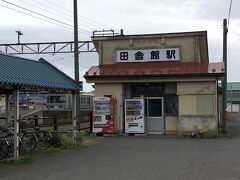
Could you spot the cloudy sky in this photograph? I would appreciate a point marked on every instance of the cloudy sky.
(134, 16)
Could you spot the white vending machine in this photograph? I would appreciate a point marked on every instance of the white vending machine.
(134, 116)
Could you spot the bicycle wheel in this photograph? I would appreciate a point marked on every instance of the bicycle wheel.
(29, 141)
(4, 132)
(4, 149)
(44, 139)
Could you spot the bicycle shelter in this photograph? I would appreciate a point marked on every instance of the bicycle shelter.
(21, 74)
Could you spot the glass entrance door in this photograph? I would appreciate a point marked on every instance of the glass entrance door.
(154, 115)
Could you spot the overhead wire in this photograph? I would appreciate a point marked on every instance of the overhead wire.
(228, 21)
(50, 19)
(36, 17)
(58, 6)
(53, 9)
(39, 14)
(38, 7)
(81, 20)
(217, 44)
(69, 15)
(55, 14)
(81, 17)
(229, 12)
(47, 17)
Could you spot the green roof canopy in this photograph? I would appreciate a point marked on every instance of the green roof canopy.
(26, 73)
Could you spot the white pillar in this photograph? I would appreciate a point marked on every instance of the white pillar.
(74, 118)
(7, 107)
(16, 124)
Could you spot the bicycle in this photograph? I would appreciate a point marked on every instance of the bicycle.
(44, 138)
(27, 140)
(4, 149)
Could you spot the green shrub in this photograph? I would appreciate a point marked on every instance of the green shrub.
(56, 140)
(80, 135)
(66, 141)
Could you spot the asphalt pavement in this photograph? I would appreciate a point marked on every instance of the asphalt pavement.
(139, 158)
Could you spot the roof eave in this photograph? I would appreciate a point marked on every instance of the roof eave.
(153, 75)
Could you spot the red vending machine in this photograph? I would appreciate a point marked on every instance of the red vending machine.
(104, 115)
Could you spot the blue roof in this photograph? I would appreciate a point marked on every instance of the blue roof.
(38, 74)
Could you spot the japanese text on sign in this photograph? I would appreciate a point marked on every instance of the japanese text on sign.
(148, 55)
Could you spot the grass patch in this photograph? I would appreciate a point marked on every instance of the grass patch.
(208, 135)
(62, 143)
(11, 163)
(224, 135)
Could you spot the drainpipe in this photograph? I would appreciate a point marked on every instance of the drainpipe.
(217, 108)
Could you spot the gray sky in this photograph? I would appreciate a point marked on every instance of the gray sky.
(134, 16)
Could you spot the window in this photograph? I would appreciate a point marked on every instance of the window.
(147, 90)
(171, 104)
(155, 107)
(62, 99)
(57, 99)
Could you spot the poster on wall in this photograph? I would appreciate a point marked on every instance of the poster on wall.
(148, 55)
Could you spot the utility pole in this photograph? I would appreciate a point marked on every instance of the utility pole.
(76, 66)
(76, 56)
(19, 33)
(224, 81)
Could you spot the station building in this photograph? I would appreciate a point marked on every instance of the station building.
(171, 71)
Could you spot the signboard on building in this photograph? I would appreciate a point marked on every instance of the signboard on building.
(148, 55)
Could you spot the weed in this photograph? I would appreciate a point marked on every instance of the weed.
(65, 139)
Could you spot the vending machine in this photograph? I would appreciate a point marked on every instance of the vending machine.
(104, 115)
(134, 116)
